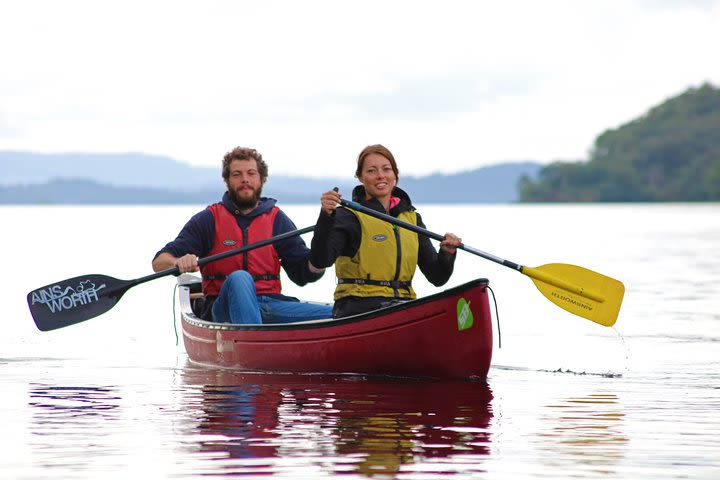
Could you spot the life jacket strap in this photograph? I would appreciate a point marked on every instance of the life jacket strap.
(380, 283)
(257, 278)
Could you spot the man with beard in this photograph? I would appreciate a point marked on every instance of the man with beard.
(244, 288)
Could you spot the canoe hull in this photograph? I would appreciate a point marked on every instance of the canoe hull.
(446, 335)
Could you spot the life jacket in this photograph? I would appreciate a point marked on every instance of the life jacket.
(385, 262)
(262, 263)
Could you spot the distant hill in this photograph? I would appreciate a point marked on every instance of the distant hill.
(670, 154)
(494, 184)
(111, 169)
(79, 191)
(83, 191)
(136, 178)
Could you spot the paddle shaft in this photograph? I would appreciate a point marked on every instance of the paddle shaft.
(427, 233)
(219, 256)
(80, 298)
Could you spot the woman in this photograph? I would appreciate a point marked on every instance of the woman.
(374, 260)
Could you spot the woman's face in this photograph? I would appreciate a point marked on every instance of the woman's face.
(377, 176)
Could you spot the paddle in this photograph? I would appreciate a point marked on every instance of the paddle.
(81, 298)
(578, 290)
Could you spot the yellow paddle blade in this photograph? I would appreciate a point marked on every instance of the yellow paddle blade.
(580, 291)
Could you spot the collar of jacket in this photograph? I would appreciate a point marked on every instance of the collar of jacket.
(359, 196)
(264, 205)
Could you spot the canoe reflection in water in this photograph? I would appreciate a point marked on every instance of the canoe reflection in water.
(375, 424)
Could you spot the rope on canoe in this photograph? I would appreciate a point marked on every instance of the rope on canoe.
(497, 315)
(177, 340)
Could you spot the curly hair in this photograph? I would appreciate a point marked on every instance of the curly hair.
(244, 153)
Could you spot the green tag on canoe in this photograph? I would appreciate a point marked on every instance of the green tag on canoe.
(464, 315)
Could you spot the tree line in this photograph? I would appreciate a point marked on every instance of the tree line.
(670, 154)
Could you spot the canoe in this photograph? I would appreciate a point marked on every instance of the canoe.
(445, 335)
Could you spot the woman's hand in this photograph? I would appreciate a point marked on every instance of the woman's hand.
(329, 201)
(450, 243)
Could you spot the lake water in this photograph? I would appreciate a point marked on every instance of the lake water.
(115, 396)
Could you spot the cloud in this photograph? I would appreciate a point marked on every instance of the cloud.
(484, 82)
(660, 5)
(431, 97)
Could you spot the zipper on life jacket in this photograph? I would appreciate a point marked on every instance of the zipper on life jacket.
(245, 242)
(398, 259)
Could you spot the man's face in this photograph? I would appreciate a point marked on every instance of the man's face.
(244, 183)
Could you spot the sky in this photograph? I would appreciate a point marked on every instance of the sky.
(446, 86)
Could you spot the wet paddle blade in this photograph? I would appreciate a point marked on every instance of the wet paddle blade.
(580, 291)
(74, 300)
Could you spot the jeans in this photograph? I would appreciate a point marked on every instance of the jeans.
(238, 303)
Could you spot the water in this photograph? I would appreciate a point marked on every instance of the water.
(115, 396)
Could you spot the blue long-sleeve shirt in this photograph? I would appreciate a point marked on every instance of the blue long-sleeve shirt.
(198, 234)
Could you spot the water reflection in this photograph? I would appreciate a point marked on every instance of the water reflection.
(71, 423)
(586, 432)
(57, 404)
(343, 424)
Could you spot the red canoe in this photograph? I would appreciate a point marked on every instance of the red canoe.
(447, 335)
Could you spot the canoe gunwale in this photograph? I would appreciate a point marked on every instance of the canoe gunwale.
(189, 317)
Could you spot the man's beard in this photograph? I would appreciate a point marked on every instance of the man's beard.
(243, 203)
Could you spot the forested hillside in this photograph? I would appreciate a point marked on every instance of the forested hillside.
(671, 154)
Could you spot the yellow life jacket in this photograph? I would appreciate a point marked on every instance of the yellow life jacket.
(385, 262)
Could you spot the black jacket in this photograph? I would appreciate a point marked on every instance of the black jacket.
(339, 235)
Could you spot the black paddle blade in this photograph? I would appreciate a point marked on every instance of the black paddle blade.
(74, 300)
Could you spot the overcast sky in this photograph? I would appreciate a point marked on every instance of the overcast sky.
(447, 86)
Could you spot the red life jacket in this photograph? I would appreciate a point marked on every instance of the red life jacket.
(262, 263)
